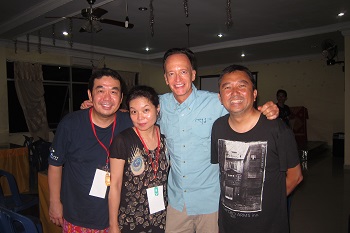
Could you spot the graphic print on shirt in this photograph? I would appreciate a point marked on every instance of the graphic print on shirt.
(137, 165)
(242, 174)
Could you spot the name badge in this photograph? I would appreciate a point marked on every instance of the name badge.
(99, 187)
(155, 199)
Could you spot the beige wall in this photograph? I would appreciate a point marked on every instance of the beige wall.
(309, 83)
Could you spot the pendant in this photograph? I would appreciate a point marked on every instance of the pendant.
(108, 179)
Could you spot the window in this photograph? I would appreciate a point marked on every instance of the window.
(65, 89)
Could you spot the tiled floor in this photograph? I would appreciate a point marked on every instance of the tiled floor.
(321, 204)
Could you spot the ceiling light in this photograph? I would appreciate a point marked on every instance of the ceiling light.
(142, 8)
(220, 35)
(341, 14)
(65, 33)
(242, 55)
(147, 49)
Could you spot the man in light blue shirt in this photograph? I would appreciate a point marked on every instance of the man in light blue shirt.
(186, 119)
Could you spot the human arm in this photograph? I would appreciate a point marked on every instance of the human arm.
(55, 206)
(117, 171)
(86, 104)
(270, 110)
(293, 177)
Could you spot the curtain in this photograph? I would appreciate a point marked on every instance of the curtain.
(129, 78)
(30, 92)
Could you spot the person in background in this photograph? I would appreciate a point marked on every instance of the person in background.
(78, 172)
(187, 116)
(139, 168)
(258, 159)
(284, 111)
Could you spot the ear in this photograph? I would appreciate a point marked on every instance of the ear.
(166, 80)
(219, 96)
(90, 95)
(255, 93)
(194, 75)
(158, 109)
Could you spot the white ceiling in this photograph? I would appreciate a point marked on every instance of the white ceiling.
(270, 29)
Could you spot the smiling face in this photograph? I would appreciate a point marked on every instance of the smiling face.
(143, 113)
(106, 97)
(237, 93)
(179, 76)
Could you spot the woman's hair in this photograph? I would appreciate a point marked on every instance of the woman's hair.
(142, 91)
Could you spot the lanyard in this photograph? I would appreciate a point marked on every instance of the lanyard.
(94, 130)
(154, 163)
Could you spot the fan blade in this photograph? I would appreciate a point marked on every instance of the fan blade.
(63, 17)
(116, 23)
(98, 12)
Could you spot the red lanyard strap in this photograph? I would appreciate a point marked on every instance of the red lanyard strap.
(94, 130)
(154, 163)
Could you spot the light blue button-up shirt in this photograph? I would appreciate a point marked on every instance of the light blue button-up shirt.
(193, 181)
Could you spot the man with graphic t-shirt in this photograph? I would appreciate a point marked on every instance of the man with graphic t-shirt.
(258, 160)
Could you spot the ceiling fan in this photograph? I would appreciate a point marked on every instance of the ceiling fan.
(330, 51)
(93, 18)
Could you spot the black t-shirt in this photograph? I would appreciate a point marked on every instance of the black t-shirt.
(134, 215)
(78, 151)
(253, 169)
(284, 113)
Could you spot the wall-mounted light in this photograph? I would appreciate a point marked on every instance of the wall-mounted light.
(65, 33)
(220, 35)
(341, 14)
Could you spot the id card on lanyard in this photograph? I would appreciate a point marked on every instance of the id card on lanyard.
(102, 178)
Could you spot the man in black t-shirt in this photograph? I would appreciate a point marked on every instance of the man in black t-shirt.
(79, 155)
(258, 160)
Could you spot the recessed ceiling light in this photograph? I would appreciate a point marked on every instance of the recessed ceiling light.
(142, 8)
(341, 14)
(220, 35)
(65, 33)
(242, 55)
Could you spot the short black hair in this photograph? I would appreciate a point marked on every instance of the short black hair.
(99, 73)
(233, 68)
(282, 92)
(142, 91)
(184, 51)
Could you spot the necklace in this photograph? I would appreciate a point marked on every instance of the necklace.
(154, 163)
(94, 130)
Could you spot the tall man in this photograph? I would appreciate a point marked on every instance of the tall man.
(187, 116)
(258, 159)
(79, 155)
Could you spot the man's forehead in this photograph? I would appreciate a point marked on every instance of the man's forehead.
(106, 80)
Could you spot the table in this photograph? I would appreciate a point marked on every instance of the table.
(44, 200)
(16, 162)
